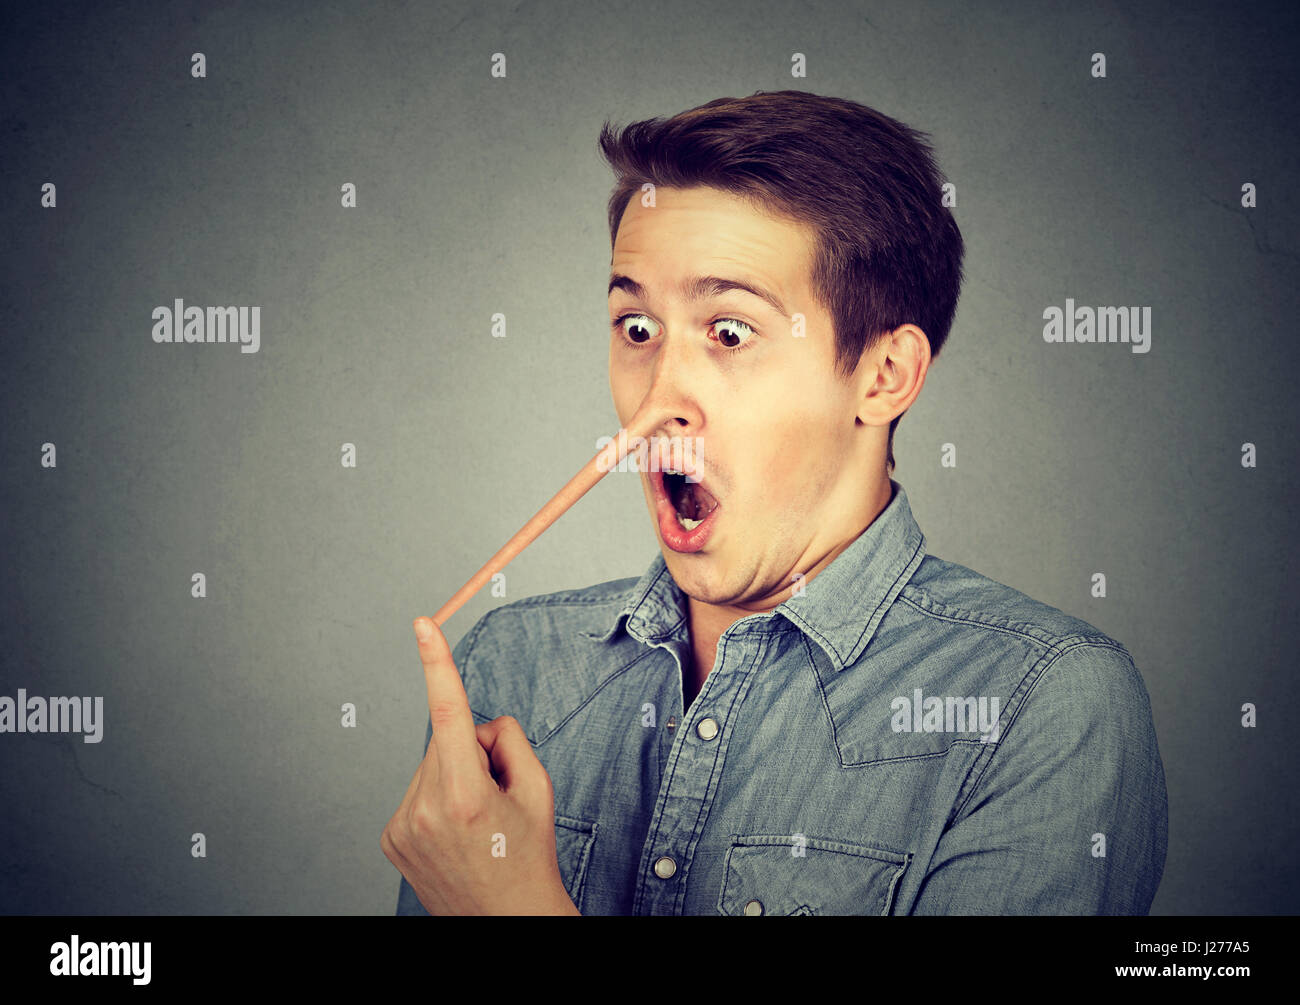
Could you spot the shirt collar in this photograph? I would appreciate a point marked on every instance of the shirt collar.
(839, 608)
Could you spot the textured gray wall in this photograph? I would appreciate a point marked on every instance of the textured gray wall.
(479, 195)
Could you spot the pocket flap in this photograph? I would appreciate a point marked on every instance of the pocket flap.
(783, 874)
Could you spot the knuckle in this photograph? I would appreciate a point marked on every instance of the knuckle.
(425, 819)
(441, 713)
(461, 805)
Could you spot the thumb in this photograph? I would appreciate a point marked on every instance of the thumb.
(514, 764)
(482, 751)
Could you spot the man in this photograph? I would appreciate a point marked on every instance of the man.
(796, 709)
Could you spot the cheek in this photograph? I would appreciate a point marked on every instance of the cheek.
(800, 426)
(623, 389)
(801, 456)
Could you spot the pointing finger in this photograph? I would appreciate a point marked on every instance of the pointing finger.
(454, 738)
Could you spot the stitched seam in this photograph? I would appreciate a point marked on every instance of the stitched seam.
(658, 810)
(1028, 685)
(898, 861)
(893, 885)
(977, 619)
(876, 854)
(810, 630)
(826, 703)
(650, 589)
(895, 589)
(715, 781)
(587, 700)
(910, 757)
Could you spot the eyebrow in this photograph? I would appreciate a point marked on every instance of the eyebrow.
(700, 288)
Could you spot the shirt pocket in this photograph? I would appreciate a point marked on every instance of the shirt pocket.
(573, 841)
(765, 874)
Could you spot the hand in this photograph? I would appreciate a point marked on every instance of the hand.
(475, 833)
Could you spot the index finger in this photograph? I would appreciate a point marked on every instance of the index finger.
(453, 723)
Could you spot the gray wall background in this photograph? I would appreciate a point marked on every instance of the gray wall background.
(480, 195)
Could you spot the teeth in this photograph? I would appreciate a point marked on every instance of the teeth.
(688, 523)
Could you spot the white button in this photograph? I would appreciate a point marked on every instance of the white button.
(754, 908)
(665, 867)
(707, 729)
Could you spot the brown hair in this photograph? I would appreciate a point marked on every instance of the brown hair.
(888, 252)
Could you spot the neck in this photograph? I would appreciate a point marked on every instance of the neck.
(708, 621)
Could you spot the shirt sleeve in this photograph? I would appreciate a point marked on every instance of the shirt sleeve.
(408, 904)
(1069, 814)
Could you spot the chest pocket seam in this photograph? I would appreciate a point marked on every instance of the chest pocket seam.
(761, 868)
(573, 840)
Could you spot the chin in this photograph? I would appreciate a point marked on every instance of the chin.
(697, 579)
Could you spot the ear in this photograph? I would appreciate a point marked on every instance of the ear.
(891, 375)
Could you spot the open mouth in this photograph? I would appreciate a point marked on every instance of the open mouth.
(691, 500)
(685, 509)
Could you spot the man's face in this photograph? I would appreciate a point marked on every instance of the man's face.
(781, 449)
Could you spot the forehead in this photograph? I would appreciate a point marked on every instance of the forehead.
(689, 231)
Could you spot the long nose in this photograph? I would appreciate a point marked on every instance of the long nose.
(670, 396)
(649, 417)
(656, 412)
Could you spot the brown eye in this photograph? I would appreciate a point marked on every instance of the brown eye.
(637, 328)
(733, 333)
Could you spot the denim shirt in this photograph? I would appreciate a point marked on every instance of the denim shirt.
(904, 736)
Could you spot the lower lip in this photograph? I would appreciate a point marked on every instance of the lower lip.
(673, 533)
